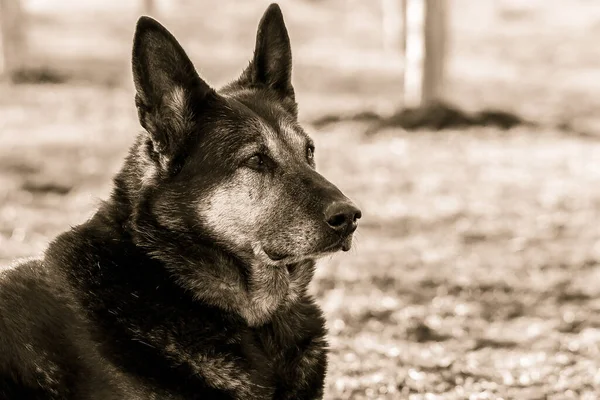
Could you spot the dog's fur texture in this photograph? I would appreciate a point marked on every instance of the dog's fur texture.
(190, 281)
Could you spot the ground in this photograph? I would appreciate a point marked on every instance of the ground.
(475, 272)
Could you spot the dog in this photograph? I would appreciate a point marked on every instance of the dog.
(190, 280)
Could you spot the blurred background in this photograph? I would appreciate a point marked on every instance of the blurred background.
(475, 271)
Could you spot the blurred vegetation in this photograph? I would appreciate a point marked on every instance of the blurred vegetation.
(475, 272)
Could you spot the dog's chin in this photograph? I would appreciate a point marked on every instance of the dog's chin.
(277, 258)
(263, 255)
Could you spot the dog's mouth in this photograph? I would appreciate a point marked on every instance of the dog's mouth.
(343, 244)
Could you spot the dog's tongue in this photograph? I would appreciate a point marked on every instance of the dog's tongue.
(347, 244)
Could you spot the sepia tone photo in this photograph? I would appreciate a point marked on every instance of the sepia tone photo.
(309, 199)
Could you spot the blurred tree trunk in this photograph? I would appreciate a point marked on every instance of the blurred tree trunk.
(12, 37)
(426, 35)
(436, 34)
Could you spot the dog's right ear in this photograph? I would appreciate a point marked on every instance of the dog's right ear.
(168, 88)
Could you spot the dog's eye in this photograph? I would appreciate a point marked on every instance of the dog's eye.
(310, 153)
(257, 161)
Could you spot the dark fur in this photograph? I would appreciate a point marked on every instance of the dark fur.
(152, 298)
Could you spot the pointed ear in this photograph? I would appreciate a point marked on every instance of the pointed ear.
(272, 62)
(167, 87)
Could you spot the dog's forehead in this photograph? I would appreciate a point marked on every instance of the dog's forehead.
(281, 132)
(270, 120)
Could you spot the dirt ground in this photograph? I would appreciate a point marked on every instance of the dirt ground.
(475, 272)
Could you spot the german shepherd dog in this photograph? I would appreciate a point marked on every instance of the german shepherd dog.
(190, 281)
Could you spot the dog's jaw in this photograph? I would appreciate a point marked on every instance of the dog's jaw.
(262, 256)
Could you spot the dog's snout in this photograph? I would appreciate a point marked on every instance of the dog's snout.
(342, 216)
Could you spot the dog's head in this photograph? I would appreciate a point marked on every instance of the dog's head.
(233, 166)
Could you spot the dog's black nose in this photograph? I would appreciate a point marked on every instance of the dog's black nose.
(342, 216)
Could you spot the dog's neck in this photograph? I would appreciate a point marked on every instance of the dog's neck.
(251, 289)
(254, 291)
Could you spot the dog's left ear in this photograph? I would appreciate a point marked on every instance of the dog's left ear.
(271, 66)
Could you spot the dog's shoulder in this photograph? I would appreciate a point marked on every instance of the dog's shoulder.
(31, 301)
(46, 347)
(35, 329)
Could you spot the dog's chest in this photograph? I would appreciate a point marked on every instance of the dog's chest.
(249, 363)
(260, 362)
(293, 344)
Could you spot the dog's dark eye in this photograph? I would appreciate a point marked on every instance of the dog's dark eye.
(310, 153)
(257, 161)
